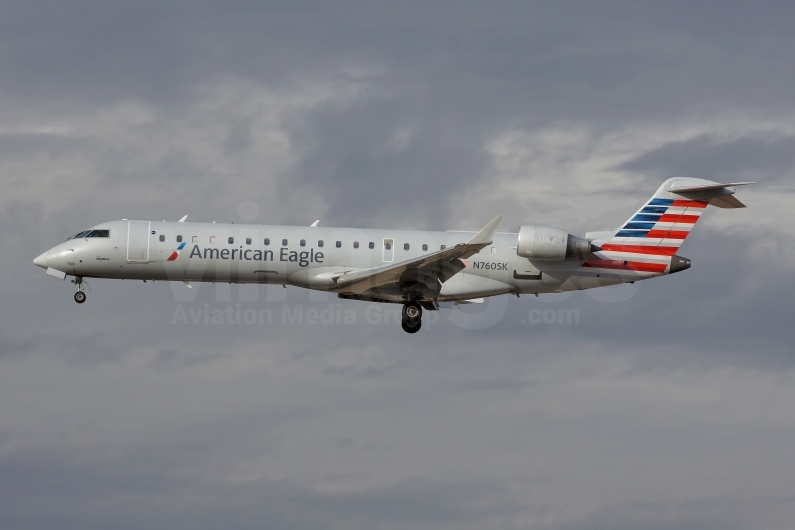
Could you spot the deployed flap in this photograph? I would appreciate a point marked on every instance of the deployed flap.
(441, 264)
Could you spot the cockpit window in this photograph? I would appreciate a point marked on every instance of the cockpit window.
(84, 233)
(91, 233)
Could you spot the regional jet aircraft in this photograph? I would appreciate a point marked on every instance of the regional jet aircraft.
(418, 269)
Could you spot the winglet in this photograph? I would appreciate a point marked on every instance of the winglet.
(315, 223)
(486, 236)
(183, 219)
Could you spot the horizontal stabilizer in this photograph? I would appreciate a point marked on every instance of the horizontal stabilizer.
(726, 201)
(709, 187)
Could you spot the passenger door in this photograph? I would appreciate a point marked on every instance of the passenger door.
(138, 242)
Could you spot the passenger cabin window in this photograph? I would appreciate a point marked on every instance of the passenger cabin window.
(195, 239)
(98, 233)
(355, 244)
(320, 243)
(405, 246)
(212, 239)
(339, 244)
(179, 239)
(284, 242)
(302, 242)
(267, 241)
(231, 240)
(387, 245)
(162, 237)
(248, 241)
(424, 247)
(371, 245)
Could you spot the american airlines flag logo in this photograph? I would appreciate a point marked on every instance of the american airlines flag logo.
(174, 255)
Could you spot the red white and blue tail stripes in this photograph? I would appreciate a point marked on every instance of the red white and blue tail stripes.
(647, 240)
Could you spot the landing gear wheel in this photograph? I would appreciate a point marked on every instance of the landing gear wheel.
(411, 327)
(412, 317)
(80, 297)
(412, 311)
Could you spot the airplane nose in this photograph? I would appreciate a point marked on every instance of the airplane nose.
(41, 261)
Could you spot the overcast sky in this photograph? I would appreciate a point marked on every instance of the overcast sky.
(668, 404)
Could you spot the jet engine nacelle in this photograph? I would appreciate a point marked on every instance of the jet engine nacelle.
(550, 244)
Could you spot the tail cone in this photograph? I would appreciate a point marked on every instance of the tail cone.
(678, 263)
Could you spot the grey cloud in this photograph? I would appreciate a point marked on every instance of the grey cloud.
(497, 384)
(667, 410)
(767, 159)
(724, 512)
(175, 359)
(352, 163)
(98, 492)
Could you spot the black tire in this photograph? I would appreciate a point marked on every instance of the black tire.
(409, 327)
(412, 311)
(80, 297)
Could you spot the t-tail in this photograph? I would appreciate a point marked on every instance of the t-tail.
(648, 241)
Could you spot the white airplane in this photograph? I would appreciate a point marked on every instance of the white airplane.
(418, 269)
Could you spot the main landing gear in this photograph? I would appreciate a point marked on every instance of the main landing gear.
(412, 317)
(80, 295)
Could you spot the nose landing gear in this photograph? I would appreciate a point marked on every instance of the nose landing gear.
(80, 295)
(412, 317)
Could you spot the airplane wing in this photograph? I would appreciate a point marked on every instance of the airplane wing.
(430, 269)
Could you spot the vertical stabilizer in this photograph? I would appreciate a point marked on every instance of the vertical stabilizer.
(660, 226)
(647, 241)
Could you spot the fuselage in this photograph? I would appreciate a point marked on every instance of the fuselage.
(311, 257)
